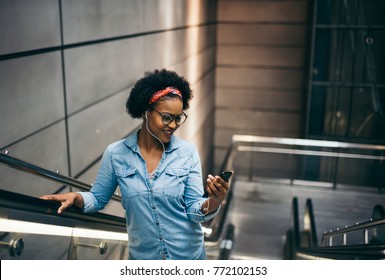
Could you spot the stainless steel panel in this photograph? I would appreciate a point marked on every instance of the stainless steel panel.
(28, 24)
(257, 99)
(263, 11)
(88, 20)
(97, 71)
(282, 56)
(31, 90)
(244, 77)
(253, 33)
(47, 149)
(91, 130)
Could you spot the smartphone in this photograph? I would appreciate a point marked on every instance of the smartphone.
(225, 175)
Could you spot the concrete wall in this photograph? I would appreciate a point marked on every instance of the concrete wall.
(261, 69)
(66, 69)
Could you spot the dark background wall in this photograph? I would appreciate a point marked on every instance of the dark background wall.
(66, 69)
(261, 69)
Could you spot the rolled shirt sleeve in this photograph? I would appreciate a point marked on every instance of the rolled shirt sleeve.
(194, 190)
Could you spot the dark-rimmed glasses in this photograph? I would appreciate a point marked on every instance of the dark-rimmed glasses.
(169, 118)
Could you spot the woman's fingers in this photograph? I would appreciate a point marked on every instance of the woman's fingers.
(65, 200)
(64, 205)
(217, 187)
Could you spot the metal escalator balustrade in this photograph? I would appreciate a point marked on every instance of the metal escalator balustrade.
(213, 229)
(306, 163)
(361, 241)
(31, 229)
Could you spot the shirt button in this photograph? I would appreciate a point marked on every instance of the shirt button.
(151, 191)
(161, 238)
(154, 207)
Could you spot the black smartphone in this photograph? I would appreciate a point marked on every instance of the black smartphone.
(225, 175)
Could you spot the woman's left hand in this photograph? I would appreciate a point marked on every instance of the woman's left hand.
(217, 188)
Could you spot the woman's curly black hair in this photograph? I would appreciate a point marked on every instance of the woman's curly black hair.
(144, 88)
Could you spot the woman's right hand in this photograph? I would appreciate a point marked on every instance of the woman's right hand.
(66, 200)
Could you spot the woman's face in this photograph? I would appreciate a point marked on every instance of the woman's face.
(168, 106)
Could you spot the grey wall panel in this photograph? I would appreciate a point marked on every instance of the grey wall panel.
(200, 11)
(254, 34)
(166, 14)
(257, 120)
(46, 149)
(94, 72)
(261, 61)
(205, 136)
(164, 49)
(199, 38)
(31, 91)
(254, 99)
(199, 127)
(91, 130)
(99, 74)
(261, 56)
(260, 78)
(263, 10)
(28, 24)
(89, 20)
(201, 108)
(168, 49)
(163, 14)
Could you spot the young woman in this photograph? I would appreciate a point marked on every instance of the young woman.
(159, 176)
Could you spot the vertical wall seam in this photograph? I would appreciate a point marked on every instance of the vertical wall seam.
(64, 89)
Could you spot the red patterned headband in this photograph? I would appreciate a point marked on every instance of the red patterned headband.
(159, 94)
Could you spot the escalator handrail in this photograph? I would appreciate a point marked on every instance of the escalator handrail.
(309, 220)
(45, 173)
(218, 222)
(296, 227)
(354, 251)
(378, 212)
(28, 204)
(215, 224)
(345, 252)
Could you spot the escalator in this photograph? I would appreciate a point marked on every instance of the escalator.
(30, 228)
(361, 241)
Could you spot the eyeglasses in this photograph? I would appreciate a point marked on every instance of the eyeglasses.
(169, 118)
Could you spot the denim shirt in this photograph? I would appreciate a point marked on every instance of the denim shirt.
(163, 214)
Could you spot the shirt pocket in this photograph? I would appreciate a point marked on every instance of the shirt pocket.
(128, 182)
(175, 181)
(125, 172)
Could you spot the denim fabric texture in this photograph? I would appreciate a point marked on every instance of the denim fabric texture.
(163, 213)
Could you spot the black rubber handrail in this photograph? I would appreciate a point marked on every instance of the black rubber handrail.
(378, 212)
(295, 225)
(47, 212)
(347, 252)
(310, 250)
(217, 224)
(45, 173)
(309, 223)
